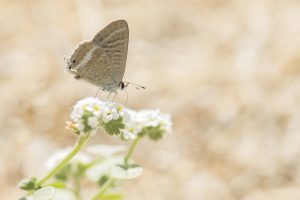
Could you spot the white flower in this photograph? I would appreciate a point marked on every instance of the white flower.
(107, 117)
(126, 115)
(93, 121)
(148, 117)
(154, 118)
(165, 122)
(127, 135)
(56, 157)
(115, 114)
(111, 112)
(131, 130)
(80, 127)
(90, 104)
(85, 115)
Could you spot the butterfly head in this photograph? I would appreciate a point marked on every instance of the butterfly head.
(71, 64)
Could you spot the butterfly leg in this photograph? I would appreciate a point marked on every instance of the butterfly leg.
(96, 95)
(109, 95)
(116, 94)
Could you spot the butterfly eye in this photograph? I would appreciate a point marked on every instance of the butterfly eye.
(73, 61)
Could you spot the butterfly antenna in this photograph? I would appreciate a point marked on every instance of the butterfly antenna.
(137, 86)
(108, 96)
(116, 95)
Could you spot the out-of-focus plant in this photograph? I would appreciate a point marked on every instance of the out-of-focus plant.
(102, 165)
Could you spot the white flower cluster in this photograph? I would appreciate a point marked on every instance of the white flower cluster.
(146, 118)
(90, 113)
(155, 118)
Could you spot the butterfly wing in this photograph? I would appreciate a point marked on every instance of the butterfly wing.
(113, 39)
(97, 68)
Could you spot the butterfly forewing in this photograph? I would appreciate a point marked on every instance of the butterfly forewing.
(113, 39)
(98, 69)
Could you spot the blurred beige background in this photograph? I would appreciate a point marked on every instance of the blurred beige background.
(227, 71)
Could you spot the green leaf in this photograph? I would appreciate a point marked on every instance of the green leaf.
(28, 184)
(127, 166)
(154, 133)
(121, 172)
(114, 126)
(63, 173)
(79, 169)
(103, 180)
(23, 198)
(112, 197)
(58, 184)
(85, 118)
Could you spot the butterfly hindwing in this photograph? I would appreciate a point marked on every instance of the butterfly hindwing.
(113, 39)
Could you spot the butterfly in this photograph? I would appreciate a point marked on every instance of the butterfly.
(102, 60)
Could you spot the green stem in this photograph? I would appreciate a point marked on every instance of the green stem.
(103, 189)
(77, 187)
(79, 144)
(130, 151)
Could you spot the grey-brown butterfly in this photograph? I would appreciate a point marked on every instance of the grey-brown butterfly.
(101, 61)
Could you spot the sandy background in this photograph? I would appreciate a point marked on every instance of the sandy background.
(227, 71)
